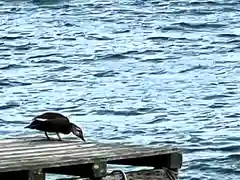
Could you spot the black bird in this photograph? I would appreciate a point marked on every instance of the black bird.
(55, 122)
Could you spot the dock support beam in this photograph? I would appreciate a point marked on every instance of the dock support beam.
(99, 170)
(95, 171)
(33, 174)
(36, 174)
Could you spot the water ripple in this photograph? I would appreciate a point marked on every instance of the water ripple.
(200, 25)
(12, 66)
(193, 68)
(9, 105)
(106, 74)
(147, 72)
(13, 83)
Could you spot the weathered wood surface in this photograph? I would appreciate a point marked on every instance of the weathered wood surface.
(32, 153)
(157, 174)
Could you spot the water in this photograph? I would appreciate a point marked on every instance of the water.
(146, 72)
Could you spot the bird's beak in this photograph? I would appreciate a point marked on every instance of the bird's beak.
(78, 132)
(83, 138)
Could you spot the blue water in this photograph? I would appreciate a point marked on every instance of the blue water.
(147, 72)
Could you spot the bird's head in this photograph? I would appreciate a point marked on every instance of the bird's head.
(77, 131)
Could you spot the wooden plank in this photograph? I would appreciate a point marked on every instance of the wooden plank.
(22, 154)
(172, 160)
(63, 160)
(42, 153)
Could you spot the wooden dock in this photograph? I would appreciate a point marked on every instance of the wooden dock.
(31, 158)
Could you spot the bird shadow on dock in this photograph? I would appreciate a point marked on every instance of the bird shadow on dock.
(43, 140)
(53, 140)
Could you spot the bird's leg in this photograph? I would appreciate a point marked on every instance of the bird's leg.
(59, 137)
(47, 135)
